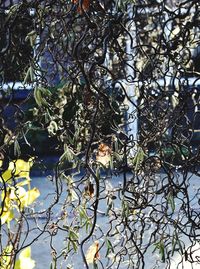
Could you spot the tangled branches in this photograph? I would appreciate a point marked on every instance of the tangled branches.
(112, 88)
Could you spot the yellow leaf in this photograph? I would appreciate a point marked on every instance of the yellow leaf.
(25, 260)
(18, 198)
(7, 175)
(29, 197)
(18, 169)
(17, 193)
(93, 253)
(5, 257)
(7, 216)
(5, 196)
(26, 253)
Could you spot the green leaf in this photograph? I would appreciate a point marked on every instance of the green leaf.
(73, 240)
(138, 159)
(37, 96)
(95, 266)
(174, 242)
(161, 247)
(27, 76)
(68, 154)
(171, 202)
(162, 251)
(31, 36)
(17, 150)
(109, 247)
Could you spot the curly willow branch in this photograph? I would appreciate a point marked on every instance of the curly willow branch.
(111, 90)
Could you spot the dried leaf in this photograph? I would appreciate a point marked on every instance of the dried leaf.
(93, 253)
(89, 190)
(104, 154)
(85, 5)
